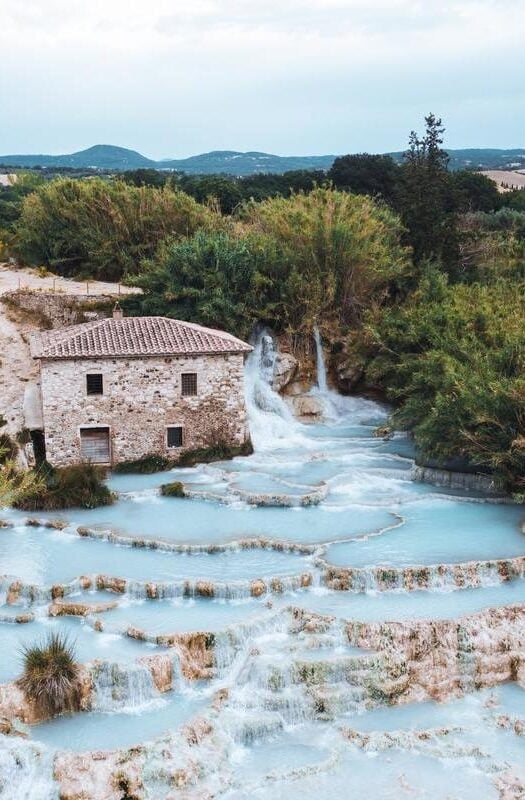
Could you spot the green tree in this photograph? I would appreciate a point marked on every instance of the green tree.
(214, 278)
(475, 192)
(425, 199)
(375, 175)
(207, 188)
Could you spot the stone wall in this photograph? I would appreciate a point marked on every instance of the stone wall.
(58, 310)
(141, 398)
(470, 481)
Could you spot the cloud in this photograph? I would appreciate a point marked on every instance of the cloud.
(170, 77)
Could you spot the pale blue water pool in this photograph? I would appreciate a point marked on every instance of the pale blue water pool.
(269, 744)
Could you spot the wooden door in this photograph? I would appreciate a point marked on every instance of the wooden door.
(95, 446)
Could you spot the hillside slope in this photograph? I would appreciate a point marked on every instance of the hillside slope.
(233, 162)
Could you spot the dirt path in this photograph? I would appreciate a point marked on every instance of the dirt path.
(17, 368)
(12, 279)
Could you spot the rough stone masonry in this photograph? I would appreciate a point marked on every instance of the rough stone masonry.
(137, 394)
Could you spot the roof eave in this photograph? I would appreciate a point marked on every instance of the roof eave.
(111, 356)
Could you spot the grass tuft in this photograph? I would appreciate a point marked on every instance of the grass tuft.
(51, 676)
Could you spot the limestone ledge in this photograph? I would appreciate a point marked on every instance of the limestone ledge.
(252, 543)
(462, 575)
(415, 660)
(453, 479)
(276, 500)
(439, 659)
(17, 590)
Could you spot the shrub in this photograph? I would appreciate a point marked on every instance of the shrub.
(173, 489)
(143, 466)
(51, 676)
(80, 485)
(452, 358)
(219, 452)
(99, 228)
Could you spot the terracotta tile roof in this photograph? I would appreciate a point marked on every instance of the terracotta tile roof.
(132, 337)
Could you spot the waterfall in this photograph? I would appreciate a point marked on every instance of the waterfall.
(119, 687)
(26, 770)
(272, 424)
(321, 367)
(354, 409)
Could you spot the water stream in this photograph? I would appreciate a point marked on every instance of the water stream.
(223, 585)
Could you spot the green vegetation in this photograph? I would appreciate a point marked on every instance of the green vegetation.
(286, 263)
(452, 358)
(50, 679)
(101, 229)
(173, 489)
(413, 272)
(143, 466)
(220, 452)
(79, 486)
(14, 483)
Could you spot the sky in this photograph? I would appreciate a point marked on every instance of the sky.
(172, 78)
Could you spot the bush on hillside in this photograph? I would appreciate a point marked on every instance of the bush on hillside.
(452, 358)
(102, 229)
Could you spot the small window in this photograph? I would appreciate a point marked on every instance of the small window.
(94, 384)
(174, 435)
(189, 384)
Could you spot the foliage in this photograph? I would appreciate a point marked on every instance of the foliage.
(492, 245)
(324, 255)
(11, 199)
(205, 188)
(80, 485)
(363, 173)
(173, 489)
(14, 483)
(214, 278)
(474, 192)
(338, 253)
(51, 676)
(102, 229)
(219, 452)
(425, 198)
(453, 360)
(515, 199)
(143, 466)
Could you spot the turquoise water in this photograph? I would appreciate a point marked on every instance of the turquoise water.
(37, 555)
(440, 531)
(370, 513)
(88, 644)
(99, 731)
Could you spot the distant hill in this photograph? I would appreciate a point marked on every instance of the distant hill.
(232, 162)
(235, 163)
(100, 156)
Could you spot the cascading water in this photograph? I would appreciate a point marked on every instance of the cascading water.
(283, 677)
(26, 771)
(272, 424)
(322, 383)
(123, 688)
(334, 405)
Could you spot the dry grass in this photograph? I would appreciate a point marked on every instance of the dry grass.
(51, 676)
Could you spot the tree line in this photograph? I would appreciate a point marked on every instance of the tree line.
(414, 273)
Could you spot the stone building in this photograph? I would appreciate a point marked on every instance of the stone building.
(123, 388)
